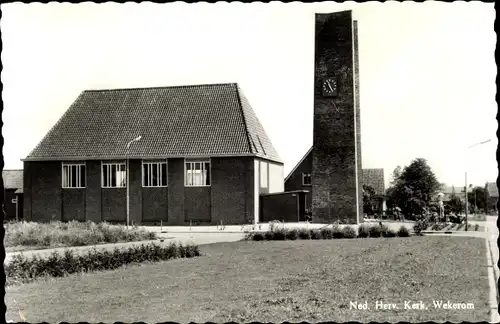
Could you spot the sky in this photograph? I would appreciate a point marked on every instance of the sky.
(427, 71)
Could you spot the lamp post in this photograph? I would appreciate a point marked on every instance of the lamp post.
(466, 198)
(128, 182)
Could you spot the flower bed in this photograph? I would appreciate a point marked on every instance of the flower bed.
(57, 234)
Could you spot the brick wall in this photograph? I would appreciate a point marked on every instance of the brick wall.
(230, 197)
(44, 192)
(294, 181)
(334, 144)
(287, 207)
(232, 190)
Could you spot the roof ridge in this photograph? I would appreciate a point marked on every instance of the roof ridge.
(165, 87)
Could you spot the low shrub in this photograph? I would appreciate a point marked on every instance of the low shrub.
(349, 232)
(279, 234)
(269, 235)
(337, 232)
(304, 234)
(363, 230)
(403, 232)
(375, 231)
(292, 234)
(476, 227)
(258, 236)
(316, 234)
(22, 269)
(387, 232)
(420, 225)
(459, 227)
(435, 227)
(326, 233)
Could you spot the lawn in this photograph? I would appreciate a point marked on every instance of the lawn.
(21, 236)
(274, 281)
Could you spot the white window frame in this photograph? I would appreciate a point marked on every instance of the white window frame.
(304, 175)
(108, 164)
(192, 162)
(79, 166)
(157, 164)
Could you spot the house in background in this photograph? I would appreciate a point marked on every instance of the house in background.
(300, 179)
(200, 155)
(492, 196)
(375, 178)
(13, 197)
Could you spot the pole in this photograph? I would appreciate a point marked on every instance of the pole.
(128, 192)
(466, 203)
(17, 207)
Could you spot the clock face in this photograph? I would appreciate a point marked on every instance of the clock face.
(329, 87)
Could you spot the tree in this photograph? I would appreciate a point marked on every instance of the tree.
(477, 198)
(413, 188)
(368, 194)
(454, 205)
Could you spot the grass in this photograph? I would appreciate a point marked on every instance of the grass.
(273, 281)
(21, 236)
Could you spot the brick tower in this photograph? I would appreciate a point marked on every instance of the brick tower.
(336, 174)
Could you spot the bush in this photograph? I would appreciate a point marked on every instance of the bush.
(304, 234)
(269, 235)
(375, 231)
(326, 233)
(258, 236)
(315, 234)
(22, 269)
(387, 232)
(403, 232)
(476, 227)
(72, 233)
(420, 225)
(279, 234)
(364, 230)
(349, 232)
(292, 234)
(337, 232)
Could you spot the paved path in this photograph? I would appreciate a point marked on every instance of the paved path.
(184, 238)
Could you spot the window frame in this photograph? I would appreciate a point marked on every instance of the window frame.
(304, 175)
(192, 161)
(78, 165)
(110, 163)
(154, 162)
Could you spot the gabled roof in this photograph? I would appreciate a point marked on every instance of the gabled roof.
(492, 189)
(181, 121)
(375, 179)
(297, 165)
(12, 179)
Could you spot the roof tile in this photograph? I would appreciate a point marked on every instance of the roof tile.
(173, 121)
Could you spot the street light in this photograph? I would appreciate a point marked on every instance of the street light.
(466, 198)
(128, 181)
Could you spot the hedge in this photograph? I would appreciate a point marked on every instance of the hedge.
(22, 269)
(327, 233)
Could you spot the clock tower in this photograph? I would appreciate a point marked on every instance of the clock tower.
(336, 174)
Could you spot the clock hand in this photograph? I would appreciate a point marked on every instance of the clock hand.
(329, 85)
